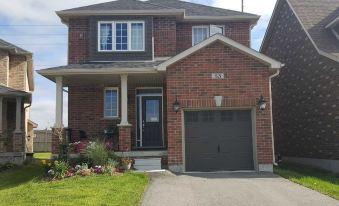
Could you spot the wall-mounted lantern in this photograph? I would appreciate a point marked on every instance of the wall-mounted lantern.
(176, 105)
(218, 100)
(261, 103)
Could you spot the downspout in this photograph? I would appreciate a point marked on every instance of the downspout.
(270, 90)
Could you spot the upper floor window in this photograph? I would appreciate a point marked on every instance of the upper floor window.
(121, 36)
(200, 33)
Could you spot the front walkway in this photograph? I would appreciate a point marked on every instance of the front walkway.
(235, 189)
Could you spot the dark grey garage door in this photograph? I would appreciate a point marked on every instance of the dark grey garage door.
(218, 140)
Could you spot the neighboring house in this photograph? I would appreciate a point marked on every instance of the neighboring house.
(16, 85)
(304, 35)
(177, 78)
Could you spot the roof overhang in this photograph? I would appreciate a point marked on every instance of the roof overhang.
(65, 15)
(273, 64)
(252, 19)
(178, 13)
(52, 73)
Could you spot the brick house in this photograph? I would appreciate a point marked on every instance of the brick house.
(308, 86)
(178, 79)
(16, 86)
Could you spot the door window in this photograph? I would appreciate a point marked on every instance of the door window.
(152, 110)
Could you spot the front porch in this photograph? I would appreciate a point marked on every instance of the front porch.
(127, 111)
(12, 125)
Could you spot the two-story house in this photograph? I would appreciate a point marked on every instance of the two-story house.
(305, 36)
(16, 85)
(179, 80)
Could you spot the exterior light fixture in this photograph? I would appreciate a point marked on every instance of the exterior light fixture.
(218, 100)
(176, 105)
(261, 103)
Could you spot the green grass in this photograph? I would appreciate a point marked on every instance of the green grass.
(43, 155)
(24, 186)
(319, 180)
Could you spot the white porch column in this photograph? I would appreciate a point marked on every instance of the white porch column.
(1, 114)
(58, 103)
(124, 101)
(18, 114)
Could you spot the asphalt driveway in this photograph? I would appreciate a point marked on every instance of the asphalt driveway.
(231, 189)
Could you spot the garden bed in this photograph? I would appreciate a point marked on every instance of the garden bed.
(26, 186)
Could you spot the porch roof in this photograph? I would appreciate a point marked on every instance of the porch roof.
(131, 67)
(9, 92)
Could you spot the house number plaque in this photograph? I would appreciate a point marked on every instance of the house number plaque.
(218, 76)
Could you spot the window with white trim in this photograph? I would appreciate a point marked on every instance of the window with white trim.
(200, 33)
(121, 36)
(111, 102)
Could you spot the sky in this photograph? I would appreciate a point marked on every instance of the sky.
(34, 26)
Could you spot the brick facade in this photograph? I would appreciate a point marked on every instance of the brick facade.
(170, 37)
(78, 41)
(305, 94)
(190, 81)
(164, 32)
(17, 72)
(239, 32)
(125, 143)
(4, 66)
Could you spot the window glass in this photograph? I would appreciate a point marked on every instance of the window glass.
(215, 29)
(111, 103)
(199, 34)
(105, 36)
(152, 111)
(121, 36)
(137, 36)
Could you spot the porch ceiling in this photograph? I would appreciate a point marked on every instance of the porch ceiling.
(134, 80)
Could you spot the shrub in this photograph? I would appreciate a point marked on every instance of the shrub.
(83, 170)
(111, 166)
(6, 166)
(97, 153)
(59, 170)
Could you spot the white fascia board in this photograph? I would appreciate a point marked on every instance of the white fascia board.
(221, 18)
(118, 71)
(333, 23)
(229, 42)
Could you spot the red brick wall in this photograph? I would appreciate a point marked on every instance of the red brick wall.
(17, 72)
(190, 80)
(164, 32)
(78, 30)
(239, 32)
(170, 37)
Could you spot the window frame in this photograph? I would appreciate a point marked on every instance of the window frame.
(208, 30)
(129, 37)
(117, 90)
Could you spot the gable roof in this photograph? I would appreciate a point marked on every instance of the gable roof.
(12, 48)
(273, 64)
(314, 16)
(182, 10)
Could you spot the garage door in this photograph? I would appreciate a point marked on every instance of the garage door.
(218, 140)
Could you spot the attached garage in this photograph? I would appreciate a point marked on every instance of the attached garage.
(218, 140)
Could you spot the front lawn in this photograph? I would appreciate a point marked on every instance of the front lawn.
(24, 186)
(42, 155)
(319, 180)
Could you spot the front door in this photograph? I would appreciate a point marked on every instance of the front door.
(151, 121)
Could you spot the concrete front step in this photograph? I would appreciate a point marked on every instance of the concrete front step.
(147, 164)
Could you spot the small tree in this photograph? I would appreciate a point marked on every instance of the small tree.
(63, 150)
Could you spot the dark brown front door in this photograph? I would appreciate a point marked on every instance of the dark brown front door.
(151, 124)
